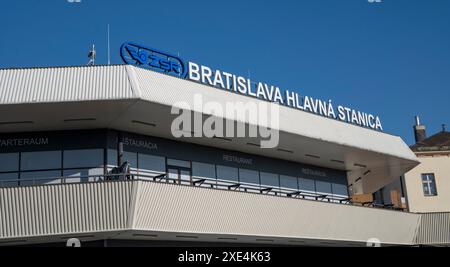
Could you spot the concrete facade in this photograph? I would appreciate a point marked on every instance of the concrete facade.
(439, 165)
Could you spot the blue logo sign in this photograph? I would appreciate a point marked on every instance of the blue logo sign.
(148, 58)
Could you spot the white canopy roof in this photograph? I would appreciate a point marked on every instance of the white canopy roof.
(132, 99)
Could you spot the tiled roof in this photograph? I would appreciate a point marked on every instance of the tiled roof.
(437, 142)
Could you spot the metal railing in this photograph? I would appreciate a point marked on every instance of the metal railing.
(198, 182)
(195, 181)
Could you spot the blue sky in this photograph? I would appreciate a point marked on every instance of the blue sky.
(391, 58)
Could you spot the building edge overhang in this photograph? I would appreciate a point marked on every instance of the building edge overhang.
(408, 154)
(138, 92)
(138, 88)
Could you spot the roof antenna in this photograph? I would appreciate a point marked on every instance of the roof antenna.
(92, 55)
(109, 47)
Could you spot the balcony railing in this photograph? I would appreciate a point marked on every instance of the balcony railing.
(195, 181)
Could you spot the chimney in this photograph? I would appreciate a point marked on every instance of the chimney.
(444, 127)
(419, 131)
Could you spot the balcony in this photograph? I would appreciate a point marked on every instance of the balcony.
(217, 184)
(158, 208)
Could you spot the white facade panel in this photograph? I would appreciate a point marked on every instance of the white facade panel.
(67, 84)
(166, 90)
(434, 229)
(111, 209)
(63, 209)
(172, 208)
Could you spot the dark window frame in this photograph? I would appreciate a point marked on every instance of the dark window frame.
(431, 184)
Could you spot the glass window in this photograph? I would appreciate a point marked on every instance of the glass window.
(306, 185)
(46, 160)
(270, 179)
(203, 170)
(152, 164)
(9, 162)
(76, 176)
(83, 158)
(289, 182)
(227, 173)
(178, 163)
(340, 190)
(426, 190)
(40, 177)
(112, 157)
(83, 175)
(131, 158)
(9, 179)
(248, 176)
(429, 184)
(324, 188)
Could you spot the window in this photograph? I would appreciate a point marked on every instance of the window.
(429, 184)
(151, 165)
(227, 173)
(46, 160)
(307, 185)
(112, 157)
(249, 176)
(9, 162)
(40, 177)
(9, 179)
(203, 170)
(83, 158)
(323, 188)
(340, 190)
(131, 158)
(83, 175)
(76, 176)
(289, 182)
(270, 179)
(179, 163)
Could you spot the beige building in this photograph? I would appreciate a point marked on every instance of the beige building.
(428, 185)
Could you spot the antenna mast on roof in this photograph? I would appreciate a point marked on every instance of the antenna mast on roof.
(92, 55)
(109, 46)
